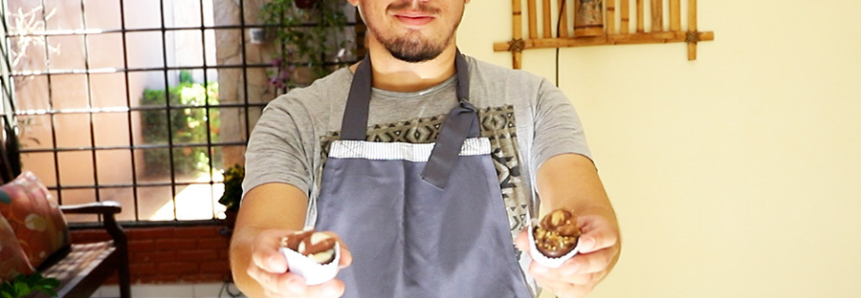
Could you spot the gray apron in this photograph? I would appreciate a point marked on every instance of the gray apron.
(421, 220)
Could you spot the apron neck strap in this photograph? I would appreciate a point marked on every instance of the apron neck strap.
(462, 69)
(355, 121)
(461, 122)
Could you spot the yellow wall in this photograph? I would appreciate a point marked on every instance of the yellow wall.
(736, 175)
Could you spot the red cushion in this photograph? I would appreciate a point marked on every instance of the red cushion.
(12, 258)
(34, 216)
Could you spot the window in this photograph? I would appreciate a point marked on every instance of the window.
(140, 102)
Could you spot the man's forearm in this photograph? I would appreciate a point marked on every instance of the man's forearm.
(266, 208)
(240, 258)
(571, 181)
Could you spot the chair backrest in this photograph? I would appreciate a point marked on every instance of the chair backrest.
(6, 172)
(5, 167)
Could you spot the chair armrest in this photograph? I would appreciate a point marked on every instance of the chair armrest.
(105, 208)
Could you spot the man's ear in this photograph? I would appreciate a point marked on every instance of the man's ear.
(353, 2)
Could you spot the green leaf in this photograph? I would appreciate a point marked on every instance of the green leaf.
(52, 282)
(50, 292)
(22, 285)
(47, 285)
(22, 289)
(6, 289)
(31, 279)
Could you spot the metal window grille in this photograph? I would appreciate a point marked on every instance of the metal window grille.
(91, 117)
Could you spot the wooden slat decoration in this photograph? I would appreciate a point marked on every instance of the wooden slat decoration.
(657, 8)
(657, 34)
(611, 17)
(641, 16)
(675, 15)
(533, 19)
(517, 30)
(563, 18)
(625, 17)
(616, 39)
(546, 19)
(693, 37)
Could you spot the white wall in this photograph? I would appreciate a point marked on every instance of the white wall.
(735, 175)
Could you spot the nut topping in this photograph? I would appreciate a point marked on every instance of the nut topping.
(558, 233)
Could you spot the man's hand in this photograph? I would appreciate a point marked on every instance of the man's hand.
(599, 251)
(270, 269)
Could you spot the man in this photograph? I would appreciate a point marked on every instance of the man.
(427, 179)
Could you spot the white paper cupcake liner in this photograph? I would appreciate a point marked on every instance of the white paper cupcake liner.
(545, 260)
(313, 272)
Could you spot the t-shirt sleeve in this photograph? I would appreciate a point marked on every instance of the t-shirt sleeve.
(557, 126)
(276, 151)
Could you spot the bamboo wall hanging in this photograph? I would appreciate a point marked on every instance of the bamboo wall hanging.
(594, 24)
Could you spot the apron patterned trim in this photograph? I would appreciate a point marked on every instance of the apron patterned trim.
(401, 151)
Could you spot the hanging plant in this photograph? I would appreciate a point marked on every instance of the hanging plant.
(307, 32)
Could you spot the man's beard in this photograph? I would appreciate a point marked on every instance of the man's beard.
(413, 50)
(413, 47)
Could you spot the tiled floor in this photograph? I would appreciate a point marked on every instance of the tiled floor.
(213, 290)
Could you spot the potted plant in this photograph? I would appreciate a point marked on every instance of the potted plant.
(25, 284)
(307, 32)
(232, 193)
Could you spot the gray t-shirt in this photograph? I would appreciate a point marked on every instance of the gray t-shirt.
(526, 118)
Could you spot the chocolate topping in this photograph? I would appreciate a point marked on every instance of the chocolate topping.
(292, 241)
(304, 243)
(322, 246)
(558, 233)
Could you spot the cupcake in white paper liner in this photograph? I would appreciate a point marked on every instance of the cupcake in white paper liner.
(312, 255)
(555, 239)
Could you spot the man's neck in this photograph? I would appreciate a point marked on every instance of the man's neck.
(393, 74)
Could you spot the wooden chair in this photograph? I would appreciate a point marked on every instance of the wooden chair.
(82, 268)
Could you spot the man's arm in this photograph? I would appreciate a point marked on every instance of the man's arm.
(571, 181)
(272, 206)
(269, 212)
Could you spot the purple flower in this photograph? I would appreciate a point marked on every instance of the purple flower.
(276, 82)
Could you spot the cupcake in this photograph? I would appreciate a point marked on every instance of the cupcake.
(312, 255)
(555, 239)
